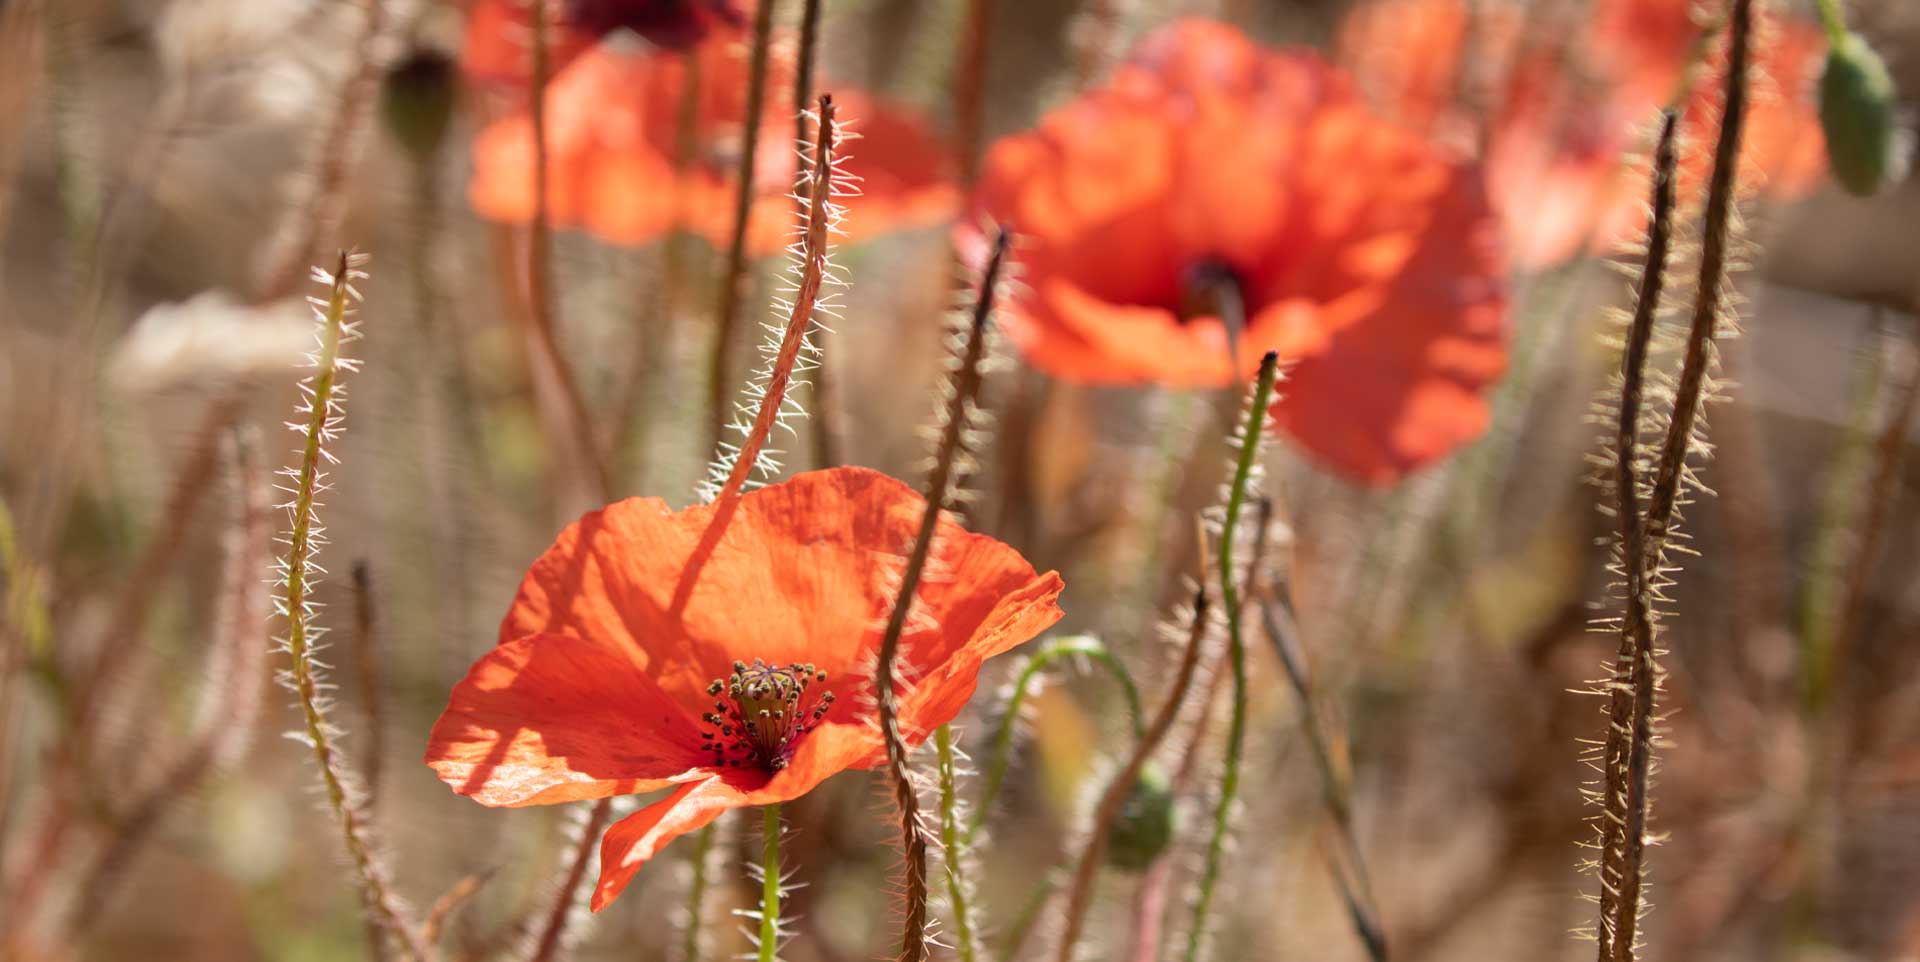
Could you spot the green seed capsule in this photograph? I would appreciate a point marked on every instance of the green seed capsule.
(1144, 828)
(1866, 148)
(417, 100)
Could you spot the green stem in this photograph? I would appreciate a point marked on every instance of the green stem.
(1834, 20)
(955, 846)
(770, 883)
(1052, 651)
(1251, 432)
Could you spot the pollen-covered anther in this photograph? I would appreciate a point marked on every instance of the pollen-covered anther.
(763, 715)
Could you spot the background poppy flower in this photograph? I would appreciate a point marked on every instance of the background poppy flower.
(497, 48)
(614, 131)
(1209, 167)
(601, 681)
(1556, 121)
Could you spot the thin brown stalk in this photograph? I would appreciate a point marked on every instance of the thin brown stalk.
(231, 697)
(1347, 865)
(566, 899)
(1627, 750)
(969, 90)
(1882, 493)
(1107, 809)
(552, 371)
(119, 643)
(366, 663)
(733, 277)
(949, 455)
(443, 908)
(319, 208)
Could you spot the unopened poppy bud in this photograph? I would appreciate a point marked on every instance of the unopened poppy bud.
(1144, 827)
(417, 100)
(1866, 148)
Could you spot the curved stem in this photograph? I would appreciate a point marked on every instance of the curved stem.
(954, 841)
(1040, 660)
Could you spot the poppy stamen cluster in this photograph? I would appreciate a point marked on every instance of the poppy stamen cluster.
(766, 718)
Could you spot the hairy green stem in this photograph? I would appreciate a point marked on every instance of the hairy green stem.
(1251, 432)
(770, 882)
(954, 841)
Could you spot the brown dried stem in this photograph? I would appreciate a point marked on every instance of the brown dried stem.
(1627, 750)
(965, 390)
(551, 940)
(551, 368)
(733, 275)
(319, 208)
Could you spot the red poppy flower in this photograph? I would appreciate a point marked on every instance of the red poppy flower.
(1557, 120)
(497, 49)
(1208, 168)
(614, 129)
(627, 664)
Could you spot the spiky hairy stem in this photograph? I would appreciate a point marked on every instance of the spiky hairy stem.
(1716, 230)
(1251, 433)
(733, 275)
(769, 883)
(818, 188)
(1631, 690)
(955, 846)
(1073, 646)
(323, 408)
(965, 389)
(1080, 892)
(826, 428)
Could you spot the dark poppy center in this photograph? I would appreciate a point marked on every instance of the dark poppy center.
(763, 715)
(1212, 287)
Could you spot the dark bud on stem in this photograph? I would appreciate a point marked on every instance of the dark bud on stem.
(1144, 827)
(417, 99)
(1866, 148)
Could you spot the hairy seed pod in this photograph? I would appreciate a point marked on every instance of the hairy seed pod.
(1866, 148)
(417, 99)
(1145, 826)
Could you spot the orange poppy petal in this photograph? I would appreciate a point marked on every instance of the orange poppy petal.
(554, 718)
(633, 840)
(1404, 386)
(803, 573)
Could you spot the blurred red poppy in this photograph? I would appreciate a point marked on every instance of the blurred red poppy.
(615, 127)
(1211, 177)
(627, 664)
(1556, 120)
(498, 45)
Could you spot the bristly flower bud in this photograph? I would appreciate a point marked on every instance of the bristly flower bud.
(1866, 147)
(1145, 824)
(417, 100)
